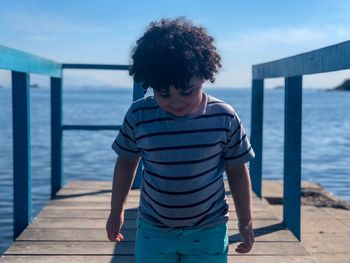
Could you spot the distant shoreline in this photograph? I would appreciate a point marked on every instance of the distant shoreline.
(345, 86)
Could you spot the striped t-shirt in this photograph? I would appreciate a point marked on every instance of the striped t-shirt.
(183, 160)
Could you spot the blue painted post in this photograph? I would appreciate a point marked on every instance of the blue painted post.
(257, 134)
(56, 135)
(22, 201)
(292, 154)
(138, 93)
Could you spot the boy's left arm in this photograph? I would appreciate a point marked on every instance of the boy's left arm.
(240, 186)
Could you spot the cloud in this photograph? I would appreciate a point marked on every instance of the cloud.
(253, 46)
(284, 38)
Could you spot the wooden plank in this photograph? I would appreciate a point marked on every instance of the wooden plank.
(104, 185)
(127, 248)
(67, 259)
(64, 234)
(59, 204)
(103, 190)
(43, 222)
(95, 200)
(101, 196)
(131, 259)
(79, 198)
(271, 259)
(76, 192)
(67, 232)
(88, 184)
(71, 248)
(81, 223)
(129, 214)
(327, 59)
(96, 187)
(17, 60)
(335, 244)
(67, 192)
(81, 213)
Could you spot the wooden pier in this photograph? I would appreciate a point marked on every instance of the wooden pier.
(71, 228)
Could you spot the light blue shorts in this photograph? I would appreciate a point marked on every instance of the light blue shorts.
(168, 245)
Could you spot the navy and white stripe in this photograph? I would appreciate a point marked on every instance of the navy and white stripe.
(184, 159)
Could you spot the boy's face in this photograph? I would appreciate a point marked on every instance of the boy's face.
(181, 102)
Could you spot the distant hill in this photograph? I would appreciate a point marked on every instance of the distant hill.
(35, 86)
(345, 86)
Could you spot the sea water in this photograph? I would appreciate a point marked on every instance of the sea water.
(88, 154)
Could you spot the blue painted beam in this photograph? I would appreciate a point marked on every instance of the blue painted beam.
(91, 127)
(292, 154)
(22, 203)
(331, 58)
(257, 134)
(16, 60)
(56, 136)
(95, 66)
(138, 93)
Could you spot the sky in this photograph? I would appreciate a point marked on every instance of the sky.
(246, 32)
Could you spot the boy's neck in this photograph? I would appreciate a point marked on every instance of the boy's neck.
(200, 107)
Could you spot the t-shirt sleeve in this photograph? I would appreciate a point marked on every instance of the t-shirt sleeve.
(238, 149)
(125, 143)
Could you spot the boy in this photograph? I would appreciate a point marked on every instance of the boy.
(186, 140)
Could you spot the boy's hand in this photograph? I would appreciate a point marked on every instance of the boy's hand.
(113, 226)
(247, 235)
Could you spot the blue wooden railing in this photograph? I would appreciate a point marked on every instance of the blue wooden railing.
(22, 64)
(331, 58)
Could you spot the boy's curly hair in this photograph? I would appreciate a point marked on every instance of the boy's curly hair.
(170, 52)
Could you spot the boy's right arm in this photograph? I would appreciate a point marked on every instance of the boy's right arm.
(124, 173)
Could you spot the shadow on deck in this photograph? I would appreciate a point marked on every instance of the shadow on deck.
(71, 228)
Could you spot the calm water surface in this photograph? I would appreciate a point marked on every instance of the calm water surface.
(87, 154)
